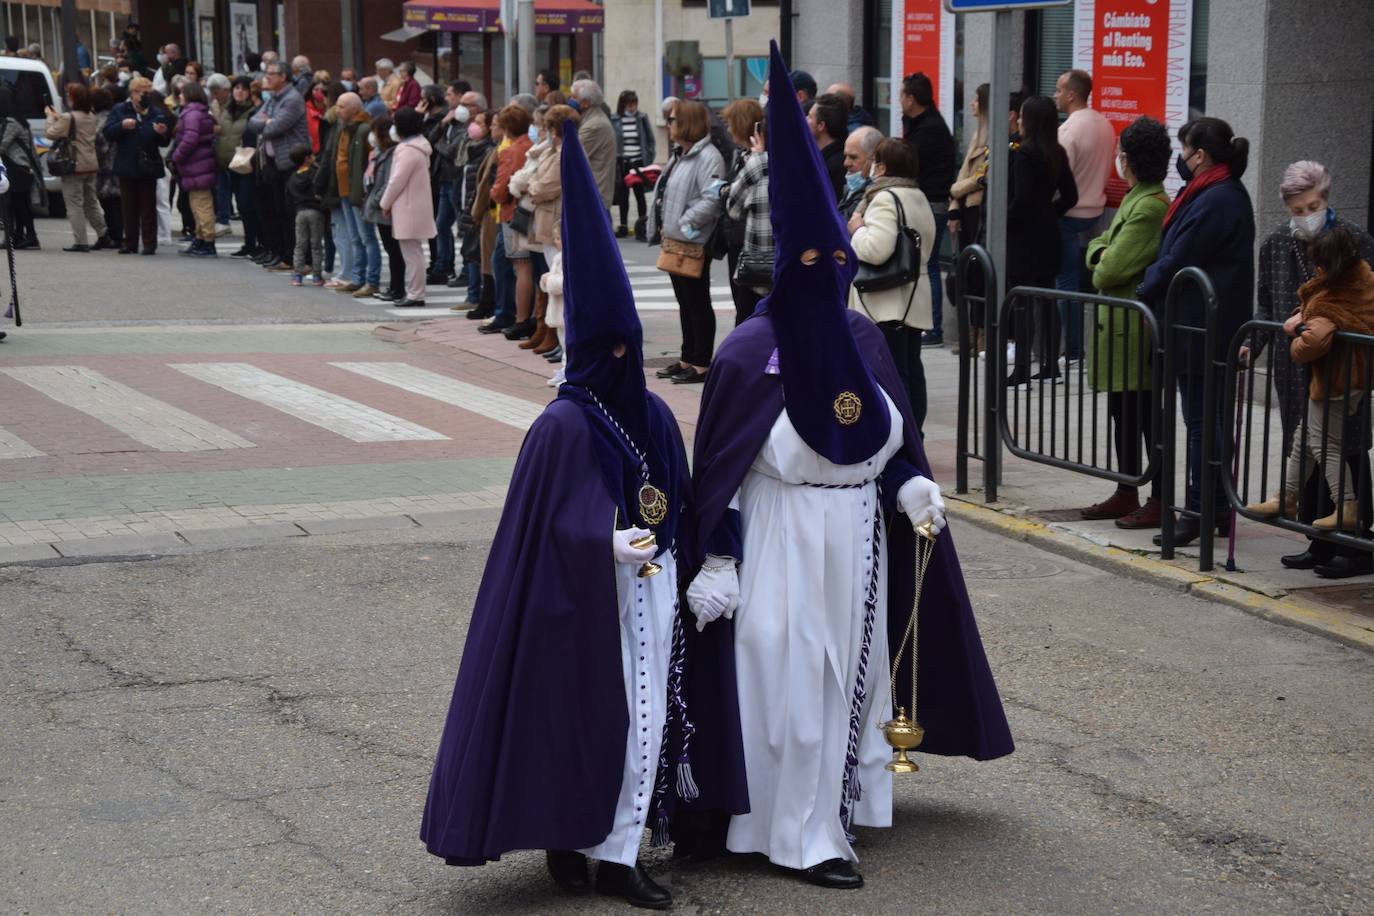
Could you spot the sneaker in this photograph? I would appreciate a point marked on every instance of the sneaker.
(281, 267)
(456, 281)
(222, 229)
(481, 313)
(347, 288)
(336, 283)
(410, 304)
(383, 295)
(295, 279)
(557, 378)
(1147, 516)
(318, 281)
(461, 307)
(365, 291)
(932, 339)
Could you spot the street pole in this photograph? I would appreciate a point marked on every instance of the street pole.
(526, 45)
(507, 51)
(995, 211)
(730, 51)
(71, 69)
(658, 62)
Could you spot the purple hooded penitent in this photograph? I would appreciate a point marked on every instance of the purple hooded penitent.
(831, 396)
(533, 749)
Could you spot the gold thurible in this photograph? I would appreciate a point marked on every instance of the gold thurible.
(903, 733)
(644, 543)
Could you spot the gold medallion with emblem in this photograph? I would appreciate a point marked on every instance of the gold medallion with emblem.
(848, 407)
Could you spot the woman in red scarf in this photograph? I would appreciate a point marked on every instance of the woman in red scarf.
(1210, 225)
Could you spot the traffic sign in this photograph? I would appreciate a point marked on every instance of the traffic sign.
(992, 6)
(727, 9)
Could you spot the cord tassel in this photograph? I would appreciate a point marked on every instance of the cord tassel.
(686, 785)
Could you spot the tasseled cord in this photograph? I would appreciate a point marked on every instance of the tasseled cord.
(851, 792)
(677, 712)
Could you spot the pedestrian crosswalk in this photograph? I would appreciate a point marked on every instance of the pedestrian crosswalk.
(314, 405)
(212, 424)
(144, 419)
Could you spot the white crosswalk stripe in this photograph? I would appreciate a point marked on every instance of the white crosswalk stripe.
(503, 408)
(144, 419)
(11, 446)
(328, 411)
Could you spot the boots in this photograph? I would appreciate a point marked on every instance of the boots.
(641, 225)
(550, 341)
(541, 307)
(1285, 502)
(1348, 514)
(1120, 504)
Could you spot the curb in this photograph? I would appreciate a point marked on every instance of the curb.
(1286, 610)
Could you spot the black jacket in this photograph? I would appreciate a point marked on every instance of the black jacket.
(1035, 201)
(136, 151)
(300, 189)
(1214, 231)
(447, 141)
(833, 154)
(936, 160)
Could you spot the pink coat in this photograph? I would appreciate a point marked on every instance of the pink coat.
(407, 193)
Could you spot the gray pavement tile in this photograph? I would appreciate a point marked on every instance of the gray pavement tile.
(458, 517)
(26, 553)
(123, 545)
(336, 525)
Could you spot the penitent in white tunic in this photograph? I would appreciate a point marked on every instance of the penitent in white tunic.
(808, 559)
(646, 639)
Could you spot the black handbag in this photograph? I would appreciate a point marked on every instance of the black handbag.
(903, 266)
(754, 269)
(521, 220)
(61, 155)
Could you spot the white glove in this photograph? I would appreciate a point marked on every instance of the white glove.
(714, 592)
(920, 499)
(622, 550)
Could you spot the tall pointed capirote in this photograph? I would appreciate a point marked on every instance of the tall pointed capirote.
(832, 398)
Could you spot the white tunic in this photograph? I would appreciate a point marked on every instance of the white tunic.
(808, 559)
(646, 639)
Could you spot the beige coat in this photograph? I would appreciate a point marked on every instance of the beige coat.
(598, 142)
(874, 243)
(966, 191)
(83, 138)
(546, 191)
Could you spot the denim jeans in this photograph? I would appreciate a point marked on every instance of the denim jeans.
(353, 232)
(503, 276)
(244, 190)
(444, 219)
(473, 270)
(1071, 230)
(223, 210)
(343, 243)
(937, 283)
(368, 269)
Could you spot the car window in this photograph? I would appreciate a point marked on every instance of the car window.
(30, 91)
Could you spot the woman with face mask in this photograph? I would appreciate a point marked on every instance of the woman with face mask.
(375, 180)
(470, 228)
(1119, 348)
(1210, 225)
(1284, 266)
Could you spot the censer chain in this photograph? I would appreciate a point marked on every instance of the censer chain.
(924, 548)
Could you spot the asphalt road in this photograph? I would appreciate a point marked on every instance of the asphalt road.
(251, 731)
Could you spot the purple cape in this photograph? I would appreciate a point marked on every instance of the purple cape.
(959, 705)
(533, 750)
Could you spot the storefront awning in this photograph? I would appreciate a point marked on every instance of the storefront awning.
(551, 17)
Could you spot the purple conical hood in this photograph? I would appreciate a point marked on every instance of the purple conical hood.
(832, 399)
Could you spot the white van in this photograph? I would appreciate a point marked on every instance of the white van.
(32, 84)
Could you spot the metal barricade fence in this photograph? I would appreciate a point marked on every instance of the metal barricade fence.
(975, 281)
(1190, 358)
(1315, 442)
(1059, 414)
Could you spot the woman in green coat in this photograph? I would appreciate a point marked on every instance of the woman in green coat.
(1121, 347)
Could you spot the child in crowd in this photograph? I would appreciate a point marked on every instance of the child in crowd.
(552, 284)
(310, 219)
(1339, 298)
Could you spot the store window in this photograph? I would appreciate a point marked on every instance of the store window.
(878, 60)
(715, 89)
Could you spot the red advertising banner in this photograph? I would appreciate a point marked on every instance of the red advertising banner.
(921, 40)
(1130, 60)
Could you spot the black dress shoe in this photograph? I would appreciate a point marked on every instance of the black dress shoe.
(689, 377)
(102, 243)
(81, 248)
(1344, 567)
(521, 330)
(481, 313)
(1305, 560)
(633, 885)
(670, 371)
(1186, 530)
(836, 873)
(569, 870)
(492, 327)
(409, 304)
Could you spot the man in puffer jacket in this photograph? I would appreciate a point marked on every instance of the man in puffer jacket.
(194, 161)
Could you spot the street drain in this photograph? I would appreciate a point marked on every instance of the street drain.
(1010, 569)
